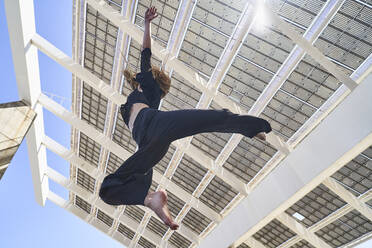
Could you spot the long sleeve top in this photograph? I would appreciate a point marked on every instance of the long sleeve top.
(151, 91)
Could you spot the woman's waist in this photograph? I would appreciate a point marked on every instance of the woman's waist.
(134, 111)
(141, 123)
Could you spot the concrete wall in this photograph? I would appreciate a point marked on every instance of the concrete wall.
(15, 120)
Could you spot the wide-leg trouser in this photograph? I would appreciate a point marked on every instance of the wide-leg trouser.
(154, 130)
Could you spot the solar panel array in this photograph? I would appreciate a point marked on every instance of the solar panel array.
(346, 40)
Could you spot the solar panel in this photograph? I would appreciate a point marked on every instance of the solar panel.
(316, 205)
(104, 218)
(218, 194)
(345, 229)
(273, 234)
(85, 181)
(134, 213)
(302, 244)
(157, 227)
(127, 232)
(179, 241)
(248, 158)
(145, 243)
(196, 221)
(356, 175)
(84, 205)
(188, 174)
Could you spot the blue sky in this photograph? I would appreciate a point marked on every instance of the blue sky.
(23, 222)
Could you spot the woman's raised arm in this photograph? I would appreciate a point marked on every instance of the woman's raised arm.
(149, 16)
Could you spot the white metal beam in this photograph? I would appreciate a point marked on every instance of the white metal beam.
(301, 231)
(301, 171)
(176, 38)
(348, 197)
(77, 49)
(84, 74)
(71, 157)
(77, 54)
(100, 138)
(21, 27)
(179, 28)
(341, 212)
(83, 126)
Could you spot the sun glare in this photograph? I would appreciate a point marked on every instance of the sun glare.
(261, 19)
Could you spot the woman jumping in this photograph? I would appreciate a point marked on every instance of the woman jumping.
(154, 130)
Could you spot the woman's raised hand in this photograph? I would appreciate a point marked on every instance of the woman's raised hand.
(150, 14)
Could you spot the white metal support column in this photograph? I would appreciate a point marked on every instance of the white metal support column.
(21, 27)
(301, 171)
(77, 52)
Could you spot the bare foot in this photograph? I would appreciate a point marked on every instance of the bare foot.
(261, 136)
(157, 201)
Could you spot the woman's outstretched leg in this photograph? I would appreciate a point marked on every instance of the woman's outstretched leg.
(182, 123)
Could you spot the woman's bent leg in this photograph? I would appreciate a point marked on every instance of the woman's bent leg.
(130, 191)
(130, 183)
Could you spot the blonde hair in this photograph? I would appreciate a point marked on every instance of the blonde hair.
(159, 75)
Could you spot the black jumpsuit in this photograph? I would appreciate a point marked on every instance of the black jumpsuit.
(154, 130)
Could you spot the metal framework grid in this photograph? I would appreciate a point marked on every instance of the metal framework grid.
(301, 74)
